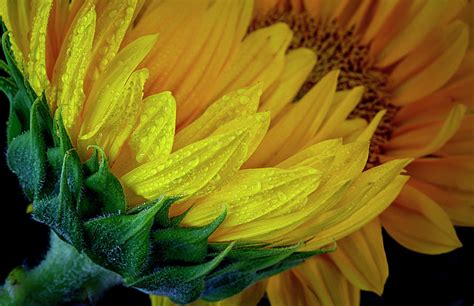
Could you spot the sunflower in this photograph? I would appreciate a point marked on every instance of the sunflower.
(179, 97)
(421, 72)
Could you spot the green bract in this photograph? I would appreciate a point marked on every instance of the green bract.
(84, 204)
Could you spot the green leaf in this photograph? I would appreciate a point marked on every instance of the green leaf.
(186, 244)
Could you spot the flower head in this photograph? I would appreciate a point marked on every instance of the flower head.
(179, 101)
(414, 62)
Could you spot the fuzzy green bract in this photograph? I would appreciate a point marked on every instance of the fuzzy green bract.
(85, 205)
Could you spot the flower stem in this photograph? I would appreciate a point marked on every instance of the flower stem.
(65, 275)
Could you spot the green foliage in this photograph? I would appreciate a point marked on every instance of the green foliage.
(85, 205)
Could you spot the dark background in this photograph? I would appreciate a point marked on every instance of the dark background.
(415, 279)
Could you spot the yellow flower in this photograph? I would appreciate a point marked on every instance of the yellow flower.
(413, 58)
(110, 68)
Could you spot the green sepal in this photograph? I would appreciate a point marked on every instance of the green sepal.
(240, 271)
(112, 201)
(60, 136)
(182, 284)
(18, 92)
(59, 212)
(20, 159)
(8, 87)
(14, 72)
(121, 242)
(40, 133)
(162, 218)
(186, 244)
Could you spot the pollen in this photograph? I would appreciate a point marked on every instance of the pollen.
(340, 48)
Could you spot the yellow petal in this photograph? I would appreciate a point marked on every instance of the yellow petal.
(176, 23)
(67, 83)
(152, 139)
(418, 223)
(37, 53)
(196, 167)
(350, 129)
(157, 300)
(231, 106)
(419, 142)
(369, 131)
(340, 165)
(198, 40)
(339, 114)
(213, 46)
(104, 93)
(290, 227)
(261, 58)
(349, 162)
(319, 150)
(366, 198)
(298, 64)
(114, 132)
(297, 126)
(4, 13)
(252, 194)
(258, 125)
(288, 289)
(434, 75)
(361, 258)
(19, 19)
(112, 23)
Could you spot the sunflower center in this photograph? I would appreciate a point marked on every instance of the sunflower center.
(339, 48)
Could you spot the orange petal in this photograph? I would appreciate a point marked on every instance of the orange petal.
(317, 281)
(435, 44)
(435, 74)
(416, 30)
(419, 140)
(459, 205)
(419, 224)
(456, 172)
(462, 143)
(361, 258)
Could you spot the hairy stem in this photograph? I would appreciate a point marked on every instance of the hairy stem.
(65, 275)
